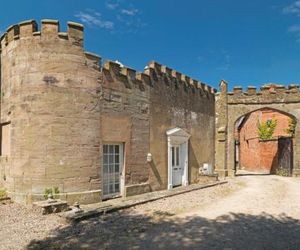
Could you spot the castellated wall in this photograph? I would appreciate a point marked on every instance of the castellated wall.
(50, 99)
(139, 107)
(179, 101)
(231, 106)
(59, 106)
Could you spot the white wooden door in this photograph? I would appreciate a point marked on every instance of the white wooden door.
(112, 169)
(177, 169)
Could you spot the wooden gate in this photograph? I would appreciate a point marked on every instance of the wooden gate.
(285, 156)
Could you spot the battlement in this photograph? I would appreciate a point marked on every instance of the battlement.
(267, 93)
(173, 76)
(154, 72)
(50, 29)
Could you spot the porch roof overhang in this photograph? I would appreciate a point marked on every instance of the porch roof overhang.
(177, 135)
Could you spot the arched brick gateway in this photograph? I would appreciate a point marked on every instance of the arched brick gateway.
(232, 105)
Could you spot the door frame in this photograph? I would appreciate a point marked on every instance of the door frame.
(122, 170)
(178, 137)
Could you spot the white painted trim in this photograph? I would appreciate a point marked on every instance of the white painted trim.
(170, 185)
(122, 170)
(178, 137)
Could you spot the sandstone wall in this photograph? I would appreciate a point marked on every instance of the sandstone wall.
(50, 96)
(59, 107)
(138, 109)
(239, 103)
(178, 101)
(125, 119)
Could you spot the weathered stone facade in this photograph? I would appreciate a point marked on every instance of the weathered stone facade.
(231, 106)
(59, 106)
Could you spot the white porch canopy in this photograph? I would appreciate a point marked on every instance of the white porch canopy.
(178, 137)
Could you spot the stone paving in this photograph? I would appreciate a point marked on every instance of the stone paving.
(122, 203)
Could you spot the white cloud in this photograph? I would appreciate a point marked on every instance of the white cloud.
(111, 6)
(93, 18)
(295, 29)
(129, 12)
(293, 8)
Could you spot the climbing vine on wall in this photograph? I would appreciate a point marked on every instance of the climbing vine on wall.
(291, 127)
(266, 129)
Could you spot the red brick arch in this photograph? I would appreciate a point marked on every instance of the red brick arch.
(252, 153)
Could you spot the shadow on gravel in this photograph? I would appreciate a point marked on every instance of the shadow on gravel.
(127, 231)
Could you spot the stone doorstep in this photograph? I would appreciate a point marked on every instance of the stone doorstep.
(55, 206)
(109, 206)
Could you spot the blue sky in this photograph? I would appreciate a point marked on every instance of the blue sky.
(244, 42)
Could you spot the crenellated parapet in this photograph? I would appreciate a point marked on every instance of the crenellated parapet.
(268, 93)
(49, 34)
(50, 29)
(171, 76)
(155, 73)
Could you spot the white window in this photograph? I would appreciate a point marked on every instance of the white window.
(112, 169)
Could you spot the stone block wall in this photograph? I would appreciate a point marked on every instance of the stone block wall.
(238, 103)
(59, 106)
(177, 100)
(50, 97)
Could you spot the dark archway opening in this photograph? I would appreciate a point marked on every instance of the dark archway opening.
(264, 142)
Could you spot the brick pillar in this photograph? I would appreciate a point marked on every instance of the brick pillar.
(221, 131)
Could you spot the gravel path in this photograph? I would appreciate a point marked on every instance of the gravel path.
(250, 212)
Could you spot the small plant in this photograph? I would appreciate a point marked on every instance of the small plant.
(2, 193)
(51, 191)
(291, 127)
(266, 129)
(282, 172)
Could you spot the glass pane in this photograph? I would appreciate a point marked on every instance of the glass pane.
(117, 149)
(111, 149)
(117, 168)
(105, 159)
(117, 159)
(173, 156)
(105, 149)
(111, 168)
(105, 169)
(177, 156)
(111, 188)
(111, 159)
(117, 187)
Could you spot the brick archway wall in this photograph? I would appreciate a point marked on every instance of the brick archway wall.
(232, 105)
(255, 154)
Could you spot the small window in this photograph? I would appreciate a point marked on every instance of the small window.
(5, 139)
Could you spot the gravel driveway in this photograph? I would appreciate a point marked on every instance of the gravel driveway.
(250, 212)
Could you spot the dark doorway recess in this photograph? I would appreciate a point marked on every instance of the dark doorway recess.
(285, 156)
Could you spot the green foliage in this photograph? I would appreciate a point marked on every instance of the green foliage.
(291, 128)
(52, 191)
(282, 172)
(2, 193)
(266, 129)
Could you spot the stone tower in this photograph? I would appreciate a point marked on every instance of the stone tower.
(50, 113)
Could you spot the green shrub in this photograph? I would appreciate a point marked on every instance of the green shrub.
(291, 127)
(282, 172)
(266, 129)
(52, 191)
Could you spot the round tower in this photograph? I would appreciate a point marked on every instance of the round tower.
(50, 114)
